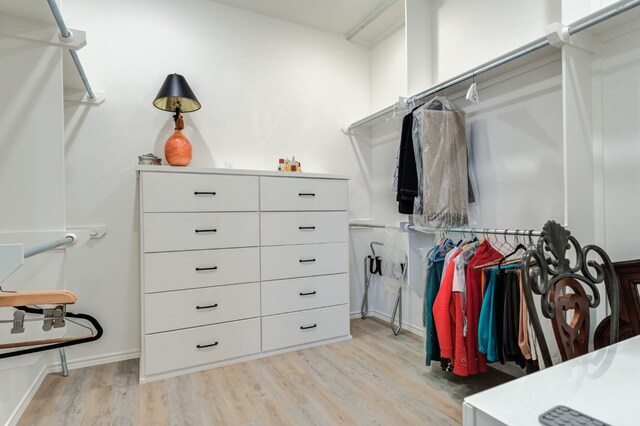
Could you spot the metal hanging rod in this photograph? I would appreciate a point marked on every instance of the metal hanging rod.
(65, 34)
(32, 251)
(370, 19)
(519, 232)
(537, 44)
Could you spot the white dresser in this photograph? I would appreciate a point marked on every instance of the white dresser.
(239, 264)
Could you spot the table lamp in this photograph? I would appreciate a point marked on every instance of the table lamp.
(176, 95)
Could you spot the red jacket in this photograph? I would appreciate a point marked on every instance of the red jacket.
(485, 253)
(447, 315)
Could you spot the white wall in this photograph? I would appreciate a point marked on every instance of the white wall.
(31, 189)
(388, 70)
(468, 33)
(621, 142)
(268, 88)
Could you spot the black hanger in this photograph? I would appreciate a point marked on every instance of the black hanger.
(518, 247)
(92, 320)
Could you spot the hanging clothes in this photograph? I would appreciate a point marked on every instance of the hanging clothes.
(484, 254)
(486, 323)
(436, 260)
(447, 312)
(440, 129)
(478, 314)
(511, 320)
(407, 187)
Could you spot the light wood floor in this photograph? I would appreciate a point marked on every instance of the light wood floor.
(375, 379)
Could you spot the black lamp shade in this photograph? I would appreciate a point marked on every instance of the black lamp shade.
(175, 92)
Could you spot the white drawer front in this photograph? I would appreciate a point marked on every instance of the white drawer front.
(204, 306)
(304, 293)
(202, 268)
(293, 194)
(178, 349)
(298, 328)
(193, 231)
(280, 262)
(185, 192)
(281, 228)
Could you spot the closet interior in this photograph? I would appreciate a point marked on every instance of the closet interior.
(331, 212)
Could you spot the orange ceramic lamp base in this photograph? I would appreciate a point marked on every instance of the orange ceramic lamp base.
(177, 149)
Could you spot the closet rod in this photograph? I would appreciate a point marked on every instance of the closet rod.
(32, 251)
(65, 34)
(370, 19)
(518, 232)
(508, 57)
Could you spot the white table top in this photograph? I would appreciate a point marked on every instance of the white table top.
(602, 384)
(218, 171)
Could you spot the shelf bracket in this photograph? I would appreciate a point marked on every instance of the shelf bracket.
(558, 36)
(81, 97)
(39, 32)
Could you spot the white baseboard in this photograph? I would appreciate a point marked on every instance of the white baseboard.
(73, 365)
(386, 318)
(98, 360)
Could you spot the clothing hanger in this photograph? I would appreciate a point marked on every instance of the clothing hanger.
(59, 297)
(51, 317)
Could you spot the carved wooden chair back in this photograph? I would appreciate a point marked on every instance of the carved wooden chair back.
(562, 287)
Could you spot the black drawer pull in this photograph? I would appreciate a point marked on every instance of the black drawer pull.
(302, 327)
(198, 231)
(204, 193)
(207, 346)
(306, 194)
(311, 293)
(215, 305)
(307, 260)
(213, 268)
(306, 227)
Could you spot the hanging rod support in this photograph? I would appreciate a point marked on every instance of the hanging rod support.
(66, 35)
(370, 19)
(32, 251)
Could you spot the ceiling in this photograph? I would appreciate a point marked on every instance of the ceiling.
(335, 16)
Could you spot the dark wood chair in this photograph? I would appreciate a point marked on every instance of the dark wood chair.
(628, 274)
(563, 289)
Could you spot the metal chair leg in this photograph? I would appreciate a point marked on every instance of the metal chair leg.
(364, 309)
(63, 362)
(397, 313)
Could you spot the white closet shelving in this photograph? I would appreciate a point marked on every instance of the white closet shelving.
(33, 21)
(580, 41)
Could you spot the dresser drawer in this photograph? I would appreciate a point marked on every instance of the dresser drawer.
(204, 306)
(298, 328)
(201, 268)
(281, 228)
(304, 293)
(305, 260)
(293, 194)
(179, 349)
(188, 192)
(193, 231)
